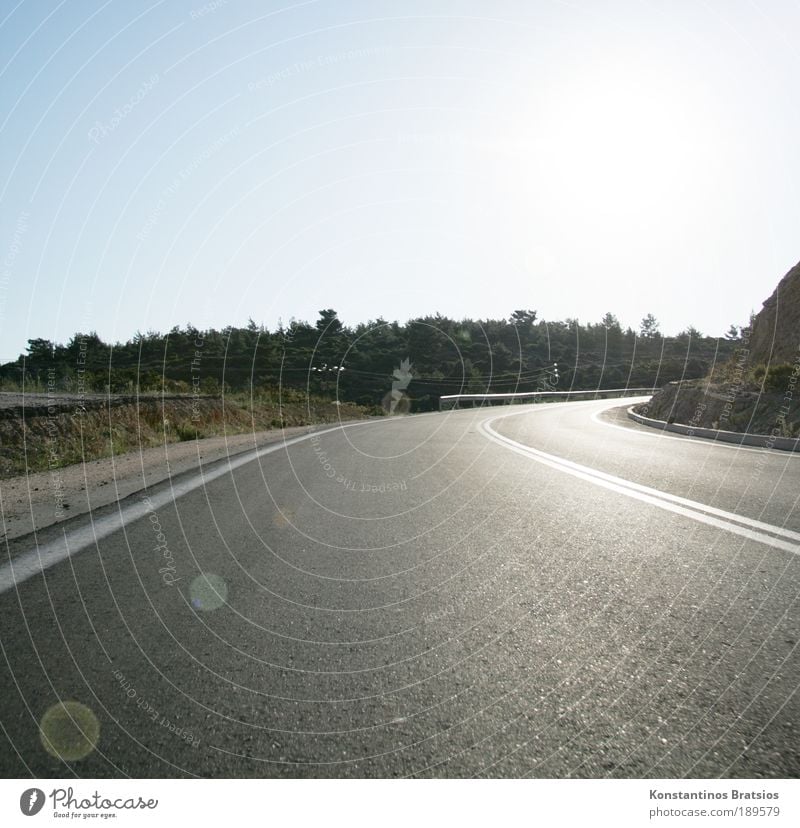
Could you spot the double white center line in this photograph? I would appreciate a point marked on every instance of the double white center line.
(756, 530)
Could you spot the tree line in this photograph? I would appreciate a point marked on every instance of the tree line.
(358, 364)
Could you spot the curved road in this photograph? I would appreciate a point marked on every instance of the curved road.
(544, 591)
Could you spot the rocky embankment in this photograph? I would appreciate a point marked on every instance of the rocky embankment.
(775, 336)
(758, 390)
(700, 404)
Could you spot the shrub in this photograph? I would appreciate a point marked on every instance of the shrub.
(186, 432)
(777, 378)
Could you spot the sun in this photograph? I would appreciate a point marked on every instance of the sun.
(619, 143)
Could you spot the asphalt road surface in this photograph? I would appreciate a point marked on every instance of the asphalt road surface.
(546, 591)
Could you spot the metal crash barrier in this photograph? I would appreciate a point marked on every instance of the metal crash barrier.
(451, 401)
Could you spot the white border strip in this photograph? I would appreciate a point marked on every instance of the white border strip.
(728, 521)
(24, 566)
(656, 434)
(763, 441)
(535, 395)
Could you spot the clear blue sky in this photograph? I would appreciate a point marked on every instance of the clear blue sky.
(178, 162)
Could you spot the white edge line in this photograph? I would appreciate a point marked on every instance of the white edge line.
(648, 431)
(671, 503)
(683, 501)
(24, 566)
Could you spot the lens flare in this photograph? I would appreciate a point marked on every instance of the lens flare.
(69, 731)
(208, 592)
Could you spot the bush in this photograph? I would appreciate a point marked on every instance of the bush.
(777, 378)
(186, 432)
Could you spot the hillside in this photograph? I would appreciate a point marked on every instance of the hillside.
(775, 335)
(60, 431)
(757, 390)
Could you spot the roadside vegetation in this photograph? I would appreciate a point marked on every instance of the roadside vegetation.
(358, 364)
(42, 440)
(189, 384)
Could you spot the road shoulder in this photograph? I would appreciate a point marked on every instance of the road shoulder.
(43, 499)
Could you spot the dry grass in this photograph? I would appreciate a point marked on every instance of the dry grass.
(43, 442)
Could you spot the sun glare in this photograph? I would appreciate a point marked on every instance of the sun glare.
(620, 144)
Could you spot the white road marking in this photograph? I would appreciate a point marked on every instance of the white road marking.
(43, 556)
(22, 567)
(647, 431)
(728, 521)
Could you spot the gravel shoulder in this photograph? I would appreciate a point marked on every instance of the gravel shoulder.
(39, 500)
